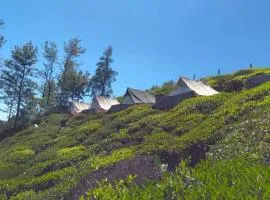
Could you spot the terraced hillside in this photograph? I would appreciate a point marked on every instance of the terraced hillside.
(215, 147)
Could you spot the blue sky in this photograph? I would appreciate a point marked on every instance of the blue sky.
(154, 40)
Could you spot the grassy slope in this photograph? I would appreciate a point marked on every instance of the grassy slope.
(45, 163)
(235, 81)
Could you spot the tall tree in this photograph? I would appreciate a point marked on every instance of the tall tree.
(101, 82)
(21, 66)
(73, 51)
(50, 54)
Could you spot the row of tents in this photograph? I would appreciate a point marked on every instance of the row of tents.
(186, 88)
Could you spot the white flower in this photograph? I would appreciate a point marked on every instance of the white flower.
(164, 167)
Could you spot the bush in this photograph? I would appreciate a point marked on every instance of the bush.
(20, 154)
(233, 85)
(71, 152)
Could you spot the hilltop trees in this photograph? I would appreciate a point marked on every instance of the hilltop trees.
(101, 82)
(25, 96)
(16, 79)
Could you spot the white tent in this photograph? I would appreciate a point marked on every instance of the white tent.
(134, 96)
(104, 103)
(185, 85)
(77, 107)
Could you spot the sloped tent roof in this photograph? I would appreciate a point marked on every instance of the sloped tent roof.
(105, 103)
(78, 107)
(198, 87)
(139, 96)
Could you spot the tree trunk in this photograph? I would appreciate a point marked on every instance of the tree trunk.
(49, 94)
(19, 99)
(10, 110)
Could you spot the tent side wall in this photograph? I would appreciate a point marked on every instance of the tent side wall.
(95, 104)
(169, 102)
(71, 109)
(182, 88)
(119, 107)
(128, 100)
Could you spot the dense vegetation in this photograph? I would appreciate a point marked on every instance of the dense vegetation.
(28, 92)
(206, 147)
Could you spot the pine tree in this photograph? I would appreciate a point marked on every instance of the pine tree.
(72, 50)
(21, 68)
(101, 82)
(79, 84)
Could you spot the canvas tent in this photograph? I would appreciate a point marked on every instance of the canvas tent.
(103, 103)
(186, 88)
(185, 85)
(134, 96)
(77, 107)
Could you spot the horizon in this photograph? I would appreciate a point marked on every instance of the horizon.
(153, 41)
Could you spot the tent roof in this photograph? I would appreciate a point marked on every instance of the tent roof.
(78, 106)
(140, 96)
(105, 102)
(198, 87)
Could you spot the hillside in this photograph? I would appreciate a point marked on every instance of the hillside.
(205, 148)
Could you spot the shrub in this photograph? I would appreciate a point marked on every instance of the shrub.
(29, 195)
(72, 152)
(20, 154)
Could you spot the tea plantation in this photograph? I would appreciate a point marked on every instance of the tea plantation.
(215, 147)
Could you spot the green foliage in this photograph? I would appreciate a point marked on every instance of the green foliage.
(70, 78)
(24, 195)
(50, 53)
(90, 127)
(101, 82)
(20, 154)
(18, 85)
(115, 156)
(72, 152)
